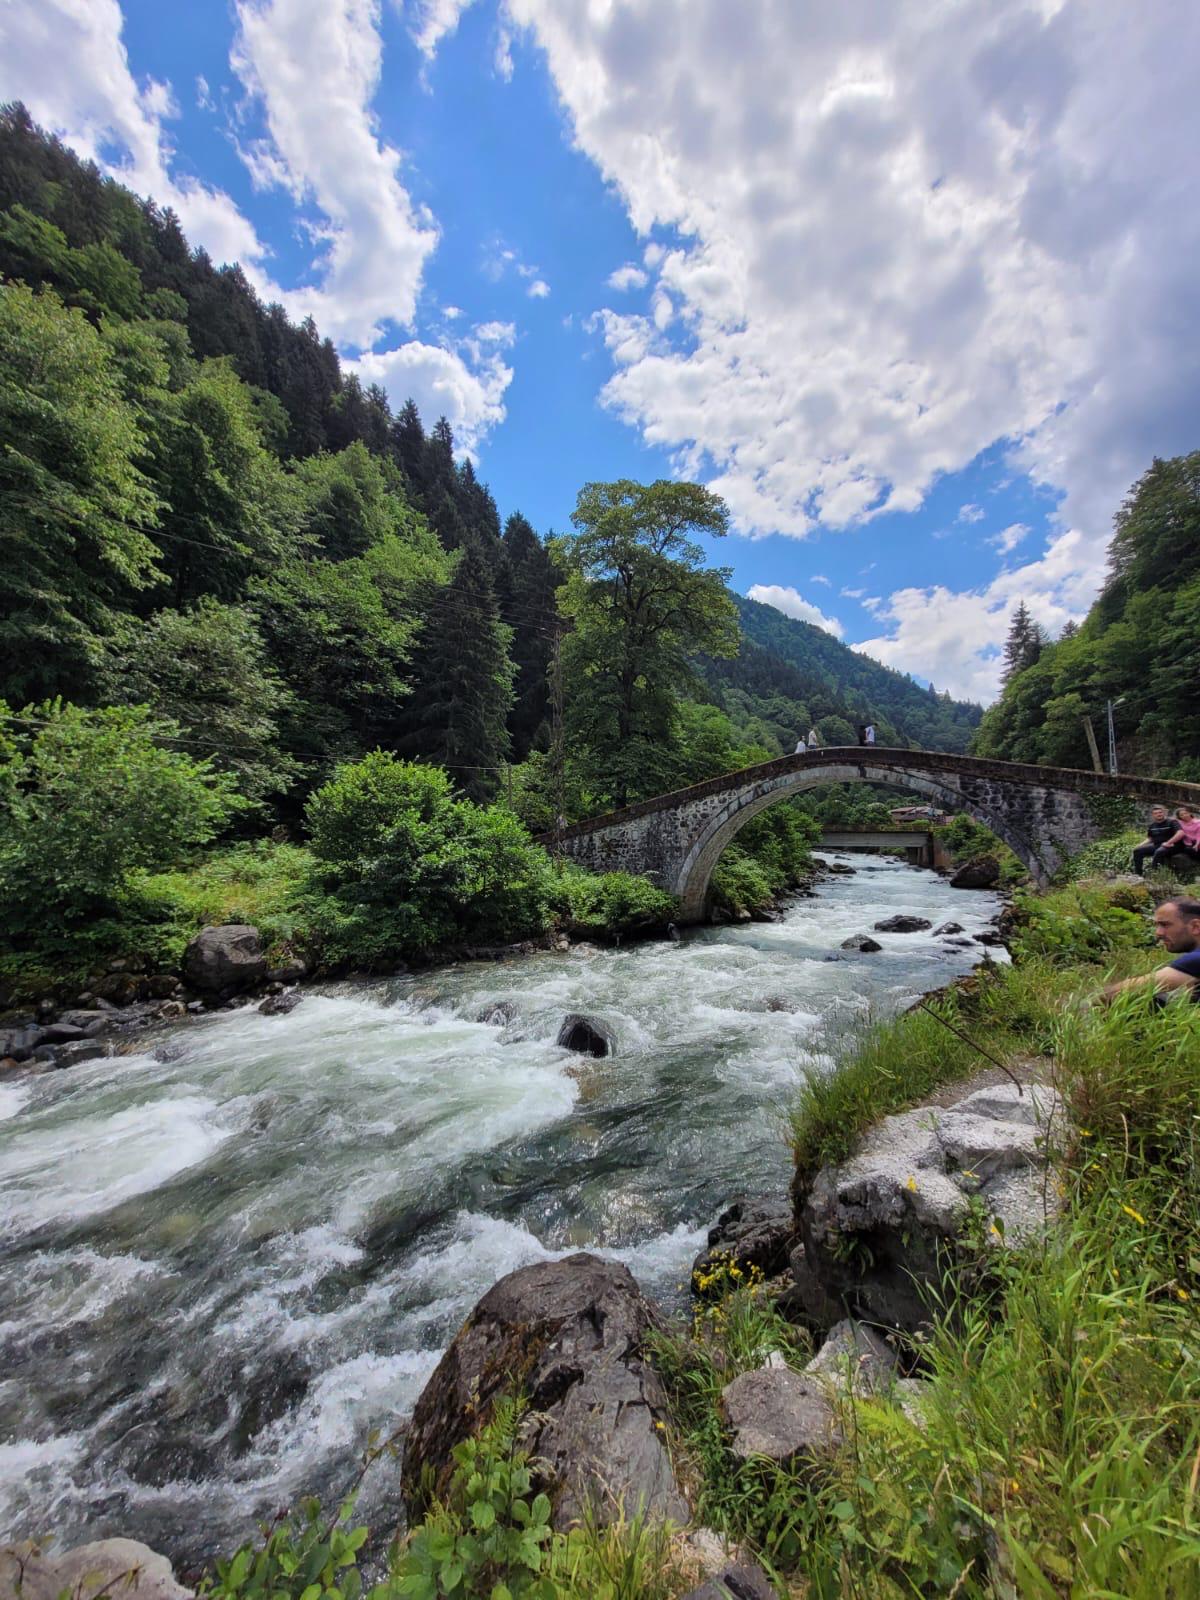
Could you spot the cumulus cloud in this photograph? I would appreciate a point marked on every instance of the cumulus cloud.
(66, 60)
(819, 577)
(627, 277)
(314, 69)
(433, 21)
(793, 604)
(538, 289)
(464, 383)
(969, 514)
(895, 236)
(955, 639)
(1007, 540)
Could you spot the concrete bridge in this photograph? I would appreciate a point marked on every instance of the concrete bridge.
(1044, 814)
(919, 845)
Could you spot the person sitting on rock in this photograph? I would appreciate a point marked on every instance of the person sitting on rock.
(1161, 828)
(1177, 929)
(1185, 841)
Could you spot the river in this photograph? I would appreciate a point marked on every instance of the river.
(225, 1258)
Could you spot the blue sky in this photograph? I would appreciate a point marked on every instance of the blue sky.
(911, 285)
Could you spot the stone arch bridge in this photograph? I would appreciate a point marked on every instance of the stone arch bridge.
(1044, 814)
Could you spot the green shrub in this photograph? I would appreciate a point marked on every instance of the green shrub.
(610, 904)
(740, 883)
(1086, 922)
(402, 867)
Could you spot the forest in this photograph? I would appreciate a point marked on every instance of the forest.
(1137, 647)
(237, 584)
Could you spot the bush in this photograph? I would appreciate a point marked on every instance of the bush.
(1087, 922)
(86, 799)
(610, 903)
(740, 883)
(402, 867)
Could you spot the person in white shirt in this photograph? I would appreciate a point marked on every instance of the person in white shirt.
(870, 733)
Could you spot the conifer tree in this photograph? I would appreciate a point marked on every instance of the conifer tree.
(1024, 643)
(528, 606)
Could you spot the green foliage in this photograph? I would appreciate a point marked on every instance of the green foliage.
(1138, 645)
(1111, 813)
(75, 505)
(259, 882)
(206, 670)
(402, 866)
(641, 605)
(86, 799)
(1084, 923)
(612, 904)
(1105, 856)
(299, 1559)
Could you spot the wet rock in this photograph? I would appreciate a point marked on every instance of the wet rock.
(903, 924)
(172, 1010)
(161, 986)
(278, 1005)
(863, 942)
(589, 1036)
(806, 1301)
(777, 1003)
(292, 971)
(195, 1007)
(880, 1229)
(988, 937)
(497, 1013)
(74, 1055)
(112, 1567)
(61, 1033)
(569, 1335)
(780, 1414)
(854, 1357)
(981, 873)
(947, 928)
(840, 869)
(121, 988)
(20, 1043)
(225, 959)
(757, 1232)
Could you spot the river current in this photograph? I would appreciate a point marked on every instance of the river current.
(226, 1258)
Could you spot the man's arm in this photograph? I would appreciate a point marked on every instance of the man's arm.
(1163, 981)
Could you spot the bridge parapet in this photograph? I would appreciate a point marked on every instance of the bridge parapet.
(1044, 814)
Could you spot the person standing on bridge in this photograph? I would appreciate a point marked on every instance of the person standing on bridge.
(869, 733)
(814, 739)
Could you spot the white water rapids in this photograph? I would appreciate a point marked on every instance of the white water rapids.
(223, 1260)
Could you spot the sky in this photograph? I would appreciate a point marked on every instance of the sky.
(910, 283)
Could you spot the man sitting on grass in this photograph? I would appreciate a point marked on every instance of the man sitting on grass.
(1177, 929)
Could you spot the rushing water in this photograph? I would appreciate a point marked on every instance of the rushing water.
(225, 1259)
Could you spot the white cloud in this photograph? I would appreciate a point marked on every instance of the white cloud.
(627, 277)
(433, 21)
(315, 68)
(1007, 540)
(970, 513)
(538, 289)
(852, 594)
(793, 604)
(903, 233)
(66, 60)
(819, 577)
(465, 385)
(452, 313)
(955, 638)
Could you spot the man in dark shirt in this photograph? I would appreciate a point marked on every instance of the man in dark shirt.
(1161, 828)
(1177, 929)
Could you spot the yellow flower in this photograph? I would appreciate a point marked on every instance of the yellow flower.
(912, 1183)
(1183, 1294)
(1136, 1215)
(1015, 1486)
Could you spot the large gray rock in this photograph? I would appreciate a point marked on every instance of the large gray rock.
(19, 1043)
(758, 1232)
(880, 1229)
(569, 1336)
(225, 959)
(855, 1358)
(780, 1414)
(982, 873)
(736, 1580)
(903, 924)
(112, 1567)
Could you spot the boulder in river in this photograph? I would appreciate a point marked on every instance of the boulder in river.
(903, 924)
(225, 959)
(880, 1229)
(862, 942)
(569, 1336)
(989, 936)
(116, 1568)
(278, 1005)
(981, 873)
(758, 1232)
(497, 1013)
(587, 1035)
(947, 927)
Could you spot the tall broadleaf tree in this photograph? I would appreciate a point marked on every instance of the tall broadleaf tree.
(641, 604)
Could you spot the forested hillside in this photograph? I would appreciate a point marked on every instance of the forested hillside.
(1138, 646)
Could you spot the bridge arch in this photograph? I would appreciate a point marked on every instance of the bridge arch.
(718, 830)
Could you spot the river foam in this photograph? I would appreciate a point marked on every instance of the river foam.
(223, 1261)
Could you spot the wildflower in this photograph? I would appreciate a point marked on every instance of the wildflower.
(911, 1184)
(1015, 1486)
(1182, 1294)
(1136, 1215)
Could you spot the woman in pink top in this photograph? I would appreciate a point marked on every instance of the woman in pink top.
(1186, 842)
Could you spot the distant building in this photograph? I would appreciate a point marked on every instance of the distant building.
(928, 814)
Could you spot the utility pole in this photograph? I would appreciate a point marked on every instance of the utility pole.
(1112, 736)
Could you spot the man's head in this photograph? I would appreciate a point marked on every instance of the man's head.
(1158, 813)
(1177, 926)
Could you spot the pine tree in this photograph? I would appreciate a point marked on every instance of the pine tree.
(1024, 643)
(463, 682)
(528, 606)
